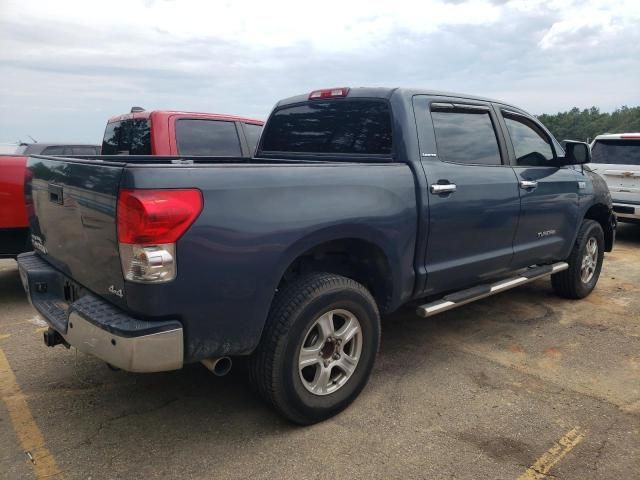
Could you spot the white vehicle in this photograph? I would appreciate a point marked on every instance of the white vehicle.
(616, 157)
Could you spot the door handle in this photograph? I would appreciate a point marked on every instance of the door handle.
(440, 188)
(527, 184)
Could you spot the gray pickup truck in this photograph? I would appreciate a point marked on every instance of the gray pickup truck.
(358, 201)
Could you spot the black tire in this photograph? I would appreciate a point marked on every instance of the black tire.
(273, 367)
(569, 283)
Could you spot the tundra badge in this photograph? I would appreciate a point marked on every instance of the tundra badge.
(546, 233)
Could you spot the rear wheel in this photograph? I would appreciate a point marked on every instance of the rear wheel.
(585, 263)
(318, 348)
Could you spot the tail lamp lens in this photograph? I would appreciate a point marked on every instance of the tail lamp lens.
(149, 224)
(150, 217)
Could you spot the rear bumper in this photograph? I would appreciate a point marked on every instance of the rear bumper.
(95, 326)
(626, 211)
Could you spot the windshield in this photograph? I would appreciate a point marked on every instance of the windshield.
(621, 152)
(127, 137)
(339, 126)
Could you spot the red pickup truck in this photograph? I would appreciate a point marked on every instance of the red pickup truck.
(14, 228)
(139, 132)
(142, 132)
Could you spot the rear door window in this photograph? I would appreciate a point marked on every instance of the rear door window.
(339, 126)
(127, 137)
(207, 137)
(620, 152)
(466, 137)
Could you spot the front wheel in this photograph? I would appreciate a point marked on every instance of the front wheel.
(585, 263)
(318, 347)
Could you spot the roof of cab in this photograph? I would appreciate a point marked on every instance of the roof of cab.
(161, 114)
(387, 92)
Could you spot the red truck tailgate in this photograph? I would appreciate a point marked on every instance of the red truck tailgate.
(12, 211)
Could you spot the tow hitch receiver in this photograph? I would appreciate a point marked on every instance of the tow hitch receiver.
(53, 338)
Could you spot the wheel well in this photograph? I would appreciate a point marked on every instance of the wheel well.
(354, 258)
(601, 214)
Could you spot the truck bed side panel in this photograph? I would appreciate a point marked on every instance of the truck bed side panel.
(256, 221)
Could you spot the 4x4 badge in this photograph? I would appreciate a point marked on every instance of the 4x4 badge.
(113, 290)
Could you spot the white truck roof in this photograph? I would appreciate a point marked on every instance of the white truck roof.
(618, 136)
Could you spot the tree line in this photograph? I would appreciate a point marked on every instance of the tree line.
(585, 124)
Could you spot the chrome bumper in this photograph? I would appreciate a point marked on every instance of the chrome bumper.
(626, 210)
(99, 328)
(156, 352)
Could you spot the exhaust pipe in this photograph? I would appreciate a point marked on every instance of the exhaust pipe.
(220, 366)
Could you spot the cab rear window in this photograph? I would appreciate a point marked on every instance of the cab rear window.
(127, 137)
(207, 137)
(621, 152)
(338, 126)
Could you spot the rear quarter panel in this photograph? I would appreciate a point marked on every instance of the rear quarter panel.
(256, 220)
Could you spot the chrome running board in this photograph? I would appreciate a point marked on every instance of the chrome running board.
(472, 294)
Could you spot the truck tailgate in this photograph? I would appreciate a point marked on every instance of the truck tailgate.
(12, 214)
(72, 209)
(624, 183)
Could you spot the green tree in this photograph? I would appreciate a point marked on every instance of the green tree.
(577, 124)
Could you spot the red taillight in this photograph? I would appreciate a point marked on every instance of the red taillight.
(632, 135)
(329, 93)
(148, 217)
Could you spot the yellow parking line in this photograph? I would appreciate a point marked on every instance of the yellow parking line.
(31, 439)
(545, 463)
(13, 323)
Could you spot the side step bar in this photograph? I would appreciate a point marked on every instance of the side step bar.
(472, 294)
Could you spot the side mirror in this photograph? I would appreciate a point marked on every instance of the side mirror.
(576, 153)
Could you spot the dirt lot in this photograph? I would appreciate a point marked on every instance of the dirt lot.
(514, 386)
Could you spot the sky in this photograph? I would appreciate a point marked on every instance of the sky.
(66, 66)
